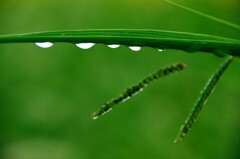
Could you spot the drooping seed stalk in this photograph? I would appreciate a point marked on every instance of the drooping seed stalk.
(133, 90)
(205, 94)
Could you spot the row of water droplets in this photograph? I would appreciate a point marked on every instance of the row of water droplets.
(89, 45)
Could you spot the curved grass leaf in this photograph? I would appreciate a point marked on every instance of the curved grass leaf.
(205, 94)
(189, 42)
(133, 90)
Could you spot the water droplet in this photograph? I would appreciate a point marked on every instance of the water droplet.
(95, 117)
(85, 45)
(113, 46)
(44, 44)
(135, 93)
(161, 50)
(135, 48)
(124, 100)
(108, 110)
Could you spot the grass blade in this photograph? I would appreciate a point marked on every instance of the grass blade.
(226, 23)
(137, 88)
(205, 94)
(189, 42)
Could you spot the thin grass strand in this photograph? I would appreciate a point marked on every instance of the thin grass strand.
(226, 23)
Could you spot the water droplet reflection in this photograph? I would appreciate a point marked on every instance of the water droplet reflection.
(85, 45)
(135, 48)
(44, 44)
(113, 46)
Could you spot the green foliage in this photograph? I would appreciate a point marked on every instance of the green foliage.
(158, 39)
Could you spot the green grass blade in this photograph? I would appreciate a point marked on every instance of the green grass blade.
(229, 24)
(189, 42)
(205, 94)
(133, 90)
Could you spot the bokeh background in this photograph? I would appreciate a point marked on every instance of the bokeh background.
(48, 95)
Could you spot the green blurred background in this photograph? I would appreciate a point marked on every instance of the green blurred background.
(48, 95)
